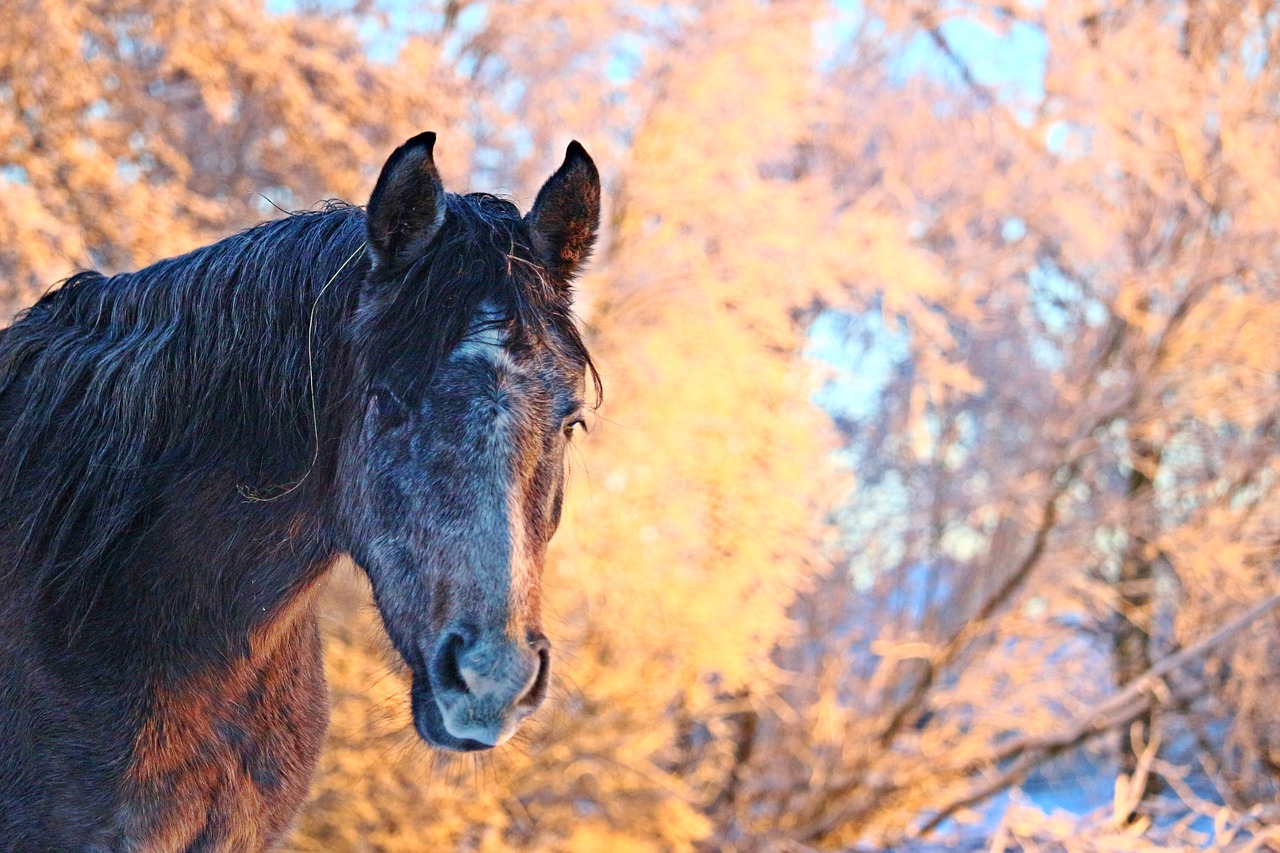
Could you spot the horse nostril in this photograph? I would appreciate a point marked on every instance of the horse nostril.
(490, 670)
(447, 664)
(538, 690)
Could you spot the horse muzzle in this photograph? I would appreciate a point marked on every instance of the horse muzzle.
(477, 687)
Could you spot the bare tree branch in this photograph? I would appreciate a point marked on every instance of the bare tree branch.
(1121, 709)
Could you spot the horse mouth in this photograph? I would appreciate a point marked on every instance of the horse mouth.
(428, 720)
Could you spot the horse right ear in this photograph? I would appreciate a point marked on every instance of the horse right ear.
(407, 206)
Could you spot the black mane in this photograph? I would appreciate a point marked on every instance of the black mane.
(233, 359)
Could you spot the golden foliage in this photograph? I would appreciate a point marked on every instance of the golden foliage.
(1052, 459)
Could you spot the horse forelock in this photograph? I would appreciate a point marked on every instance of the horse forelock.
(480, 277)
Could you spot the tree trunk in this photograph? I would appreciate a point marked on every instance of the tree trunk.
(1131, 642)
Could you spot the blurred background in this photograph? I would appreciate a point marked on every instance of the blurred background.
(933, 504)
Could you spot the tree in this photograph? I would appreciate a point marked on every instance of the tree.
(1029, 516)
(135, 131)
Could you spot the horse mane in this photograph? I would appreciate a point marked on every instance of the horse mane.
(118, 384)
(113, 388)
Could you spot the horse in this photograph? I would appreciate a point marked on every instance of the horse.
(185, 450)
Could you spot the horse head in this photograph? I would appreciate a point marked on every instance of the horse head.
(471, 379)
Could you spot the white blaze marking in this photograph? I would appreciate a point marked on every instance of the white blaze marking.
(485, 339)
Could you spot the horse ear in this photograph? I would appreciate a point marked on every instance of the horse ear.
(407, 206)
(566, 214)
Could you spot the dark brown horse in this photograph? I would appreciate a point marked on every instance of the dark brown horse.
(185, 450)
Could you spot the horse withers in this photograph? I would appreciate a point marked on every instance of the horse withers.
(185, 450)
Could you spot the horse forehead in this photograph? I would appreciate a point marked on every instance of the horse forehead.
(503, 390)
(489, 339)
(487, 336)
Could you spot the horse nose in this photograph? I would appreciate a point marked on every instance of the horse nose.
(485, 684)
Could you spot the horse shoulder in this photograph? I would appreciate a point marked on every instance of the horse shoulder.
(224, 760)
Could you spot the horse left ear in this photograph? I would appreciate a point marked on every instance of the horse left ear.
(566, 215)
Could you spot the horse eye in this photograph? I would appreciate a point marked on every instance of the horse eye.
(391, 409)
(575, 422)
